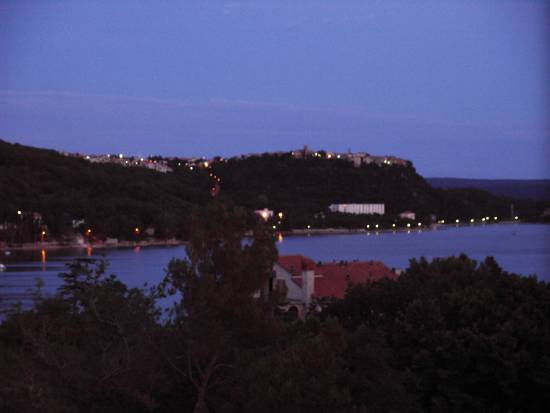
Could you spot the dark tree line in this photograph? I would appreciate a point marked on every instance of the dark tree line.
(452, 335)
(115, 200)
(304, 188)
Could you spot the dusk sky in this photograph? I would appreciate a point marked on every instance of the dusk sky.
(459, 87)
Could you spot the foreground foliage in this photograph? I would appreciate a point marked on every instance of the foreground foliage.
(450, 335)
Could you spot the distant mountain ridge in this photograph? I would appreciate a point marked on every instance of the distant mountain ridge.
(515, 188)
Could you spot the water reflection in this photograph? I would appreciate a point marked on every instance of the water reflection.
(43, 259)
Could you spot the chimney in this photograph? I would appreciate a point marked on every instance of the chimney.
(308, 286)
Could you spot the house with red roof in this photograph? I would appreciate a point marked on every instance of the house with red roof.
(305, 281)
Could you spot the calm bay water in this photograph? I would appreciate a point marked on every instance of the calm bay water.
(520, 248)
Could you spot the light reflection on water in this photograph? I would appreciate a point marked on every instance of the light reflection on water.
(521, 248)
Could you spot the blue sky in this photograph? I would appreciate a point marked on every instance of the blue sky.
(458, 87)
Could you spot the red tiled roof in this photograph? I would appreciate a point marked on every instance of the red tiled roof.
(335, 277)
(295, 264)
(332, 279)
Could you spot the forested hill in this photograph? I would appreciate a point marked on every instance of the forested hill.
(514, 188)
(305, 187)
(114, 200)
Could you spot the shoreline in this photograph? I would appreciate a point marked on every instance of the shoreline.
(35, 246)
(342, 231)
(53, 245)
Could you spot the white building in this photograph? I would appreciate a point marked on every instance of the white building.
(368, 209)
(407, 215)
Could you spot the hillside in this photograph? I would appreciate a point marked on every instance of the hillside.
(52, 191)
(112, 199)
(303, 188)
(513, 188)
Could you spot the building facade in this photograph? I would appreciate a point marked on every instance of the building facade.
(305, 283)
(368, 209)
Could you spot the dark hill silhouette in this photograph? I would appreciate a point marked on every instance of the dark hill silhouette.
(514, 188)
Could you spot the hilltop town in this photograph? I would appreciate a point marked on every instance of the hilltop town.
(168, 164)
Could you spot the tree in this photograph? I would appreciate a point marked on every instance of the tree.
(223, 316)
(469, 336)
(90, 348)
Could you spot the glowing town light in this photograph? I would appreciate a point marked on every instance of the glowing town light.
(120, 156)
(376, 226)
(516, 217)
(43, 233)
(368, 226)
(329, 156)
(19, 212)
(280, 215)
(338, 156)
(136, 230)
(408, 225)
(442, 221)
(487, 218)
(309, 227)
(482, 219)
(274, 227)
(472, 220)
(88, 157)
(205, 164)
(141, 160)
(457, 221)
(420, 224)
(88, 231)
(191, 168)
(393, 225)
(495, 218)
